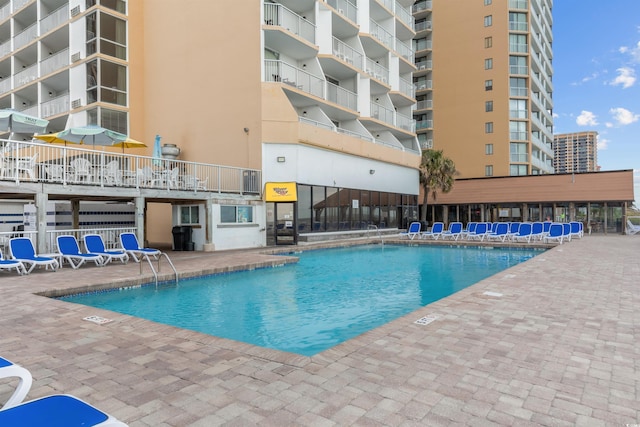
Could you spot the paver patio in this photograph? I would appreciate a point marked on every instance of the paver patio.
(558, 347)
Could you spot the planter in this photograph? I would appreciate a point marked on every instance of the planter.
(170, 151)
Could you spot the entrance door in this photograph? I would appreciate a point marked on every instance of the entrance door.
(281, 224)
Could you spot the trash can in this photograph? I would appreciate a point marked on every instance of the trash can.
(188, 245)
(178, 237)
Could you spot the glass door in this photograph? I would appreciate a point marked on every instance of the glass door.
(281, 224)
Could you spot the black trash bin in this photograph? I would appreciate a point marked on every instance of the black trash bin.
(188, 245)
(178, 237)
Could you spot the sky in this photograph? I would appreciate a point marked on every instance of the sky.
(596, 80)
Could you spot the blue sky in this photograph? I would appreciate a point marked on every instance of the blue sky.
(596, 81)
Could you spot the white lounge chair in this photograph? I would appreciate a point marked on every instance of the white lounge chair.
(413, 231)
(22, 249)
(130, 245)
(10, 264)
(632, 228)
(95, 244)
(436, 231)
(11, 370)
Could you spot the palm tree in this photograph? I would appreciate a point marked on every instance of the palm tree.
(436, 174)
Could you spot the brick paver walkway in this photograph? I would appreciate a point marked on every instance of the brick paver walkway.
(558, 347)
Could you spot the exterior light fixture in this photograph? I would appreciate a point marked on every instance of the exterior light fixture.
(372, 171)
(281, 159)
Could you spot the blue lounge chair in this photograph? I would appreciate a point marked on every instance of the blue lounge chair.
(10, 264)
(413, 231)
(501, 232)
(537, 231)
(22, 249)
(513, 229)
(524, 233)
(454, 231)
(11, 370)
(58, 410)
(70, 251)
(471, 227)
(479, 233)
(95, 245)
(577, 229)
(566, 231)
(130, 245)
(436, 231)
(555, 233)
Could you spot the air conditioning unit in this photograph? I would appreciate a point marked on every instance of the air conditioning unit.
(75, 11)
(75, 57)
(76, 103)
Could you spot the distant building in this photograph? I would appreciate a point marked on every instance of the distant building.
(575, 152)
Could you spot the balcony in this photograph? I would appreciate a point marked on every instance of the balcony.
(347, 54)
(57, 105)
(54, 62)
(425, 104)
(341, 96)
(54, 19)
(25, 37)
(422, 6)
(282, 72)
(405, 51)
(424, 124)
(404, 15)
(378, 32)
(280, 16)
(377, 71)
(345, 8)
(26, 76)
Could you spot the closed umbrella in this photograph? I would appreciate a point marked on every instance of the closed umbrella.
(157, 152)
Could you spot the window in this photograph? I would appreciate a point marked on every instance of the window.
(518, 65)
(488, 127)
(517, 21)
(488, 85)
(517, 170)
(488, 20)
(487, 2)
(518, 152)
(488, 170)
(488, 42)
(488, 106)
(488, 149)
(518, 43)
(517, 130)
(517, 86)
(488, 63)
(189, 215)
(518, 108)
(236, 214)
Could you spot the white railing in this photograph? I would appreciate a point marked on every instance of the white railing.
(5, 11)
(26, 36)
(377, 31)
(5, 85)
(405, 122)
(110, 236)
(423, 25)
(407, 88)
(423, 5)
(17, 4)
(424, 104)
(5, 48)
(26, 76)
(57, 105)
(54, 19)
(31, 162)
(341, 96)
(282, 72)
(404, 15)
(54, 62)
(382, 113)
(277, 14)
(405, 51)
(347, 53)
(377, 71)
(346, 8)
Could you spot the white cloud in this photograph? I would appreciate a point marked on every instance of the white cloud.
(603, 143)
(635, 52)
(626, 77)
(586, 118)
(623, 117)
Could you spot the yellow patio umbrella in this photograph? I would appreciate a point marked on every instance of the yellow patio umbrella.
(56, 138)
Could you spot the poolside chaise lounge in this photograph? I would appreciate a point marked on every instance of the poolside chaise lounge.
(454, 231)
(58, 410)
(632, 228)
(479, 233)
(555, 233)
(577, 229)
(537, 230)
(413, 231)
(11, 370)
(436, 231)
(501, 232)
(95, 244)
(22, 249)
(10, 264)
(70, 252)
(130, 245)
(524, 233)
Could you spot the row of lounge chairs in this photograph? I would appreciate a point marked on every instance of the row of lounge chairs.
(24, 258)
(54, 410)
(499, 231)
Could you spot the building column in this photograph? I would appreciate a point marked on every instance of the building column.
(139, 218)
(75, 214)
(525, 212)
(41, 221)
(209, 246)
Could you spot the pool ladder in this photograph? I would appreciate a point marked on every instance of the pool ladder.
(375, 227)
(155, 273)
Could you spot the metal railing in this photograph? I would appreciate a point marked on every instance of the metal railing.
(71, 165)
(277, 14)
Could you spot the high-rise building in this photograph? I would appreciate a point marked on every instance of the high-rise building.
(483, 84)
(575, 152)
(317, 93)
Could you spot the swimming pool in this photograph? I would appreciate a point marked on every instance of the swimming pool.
(330, 296)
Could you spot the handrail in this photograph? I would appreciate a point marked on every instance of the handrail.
(375, 227)
(155, 273)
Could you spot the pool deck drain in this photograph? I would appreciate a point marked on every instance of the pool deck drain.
(97, 320)
(560, 350)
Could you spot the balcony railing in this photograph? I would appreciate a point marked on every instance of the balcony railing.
(422, 5)
(5, 48)
(54, 19)
(26, 76)
(377, 71)
(377, 31)
(423, 25)
(57, 105)
(280, 71)
(424, 124)
(405, 122)
(5, 85)
(5, 11)
(424, 84)
(29, 162)
(346, 8)
(405, 51)
(54, 62)
(342, 96)
(382, 113)
(26, 36)
(347, 53)
(407, 88)
(404, 15)
(425, 65)
(424, 104)
(277, 14)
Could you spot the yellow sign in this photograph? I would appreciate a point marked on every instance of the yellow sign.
(280, 192)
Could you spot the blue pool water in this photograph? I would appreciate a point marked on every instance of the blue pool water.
(328, 297)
